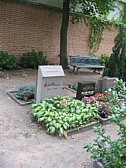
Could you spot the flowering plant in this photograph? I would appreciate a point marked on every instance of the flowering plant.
(112, 153)
(100, 101)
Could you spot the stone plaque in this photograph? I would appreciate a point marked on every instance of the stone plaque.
(85, 89)
(49, 81)
(106, 82)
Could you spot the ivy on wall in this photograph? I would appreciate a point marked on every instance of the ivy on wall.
(98, 25)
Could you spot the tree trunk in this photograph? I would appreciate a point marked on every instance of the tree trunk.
(63, 34)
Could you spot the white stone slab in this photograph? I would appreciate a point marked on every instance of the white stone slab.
(49, 82)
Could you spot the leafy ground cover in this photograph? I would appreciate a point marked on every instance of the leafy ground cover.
(60, 114)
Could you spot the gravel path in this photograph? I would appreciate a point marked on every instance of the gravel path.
(24, 144)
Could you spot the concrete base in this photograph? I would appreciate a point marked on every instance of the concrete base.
(104, 120)
(12, 94)
(83, 128)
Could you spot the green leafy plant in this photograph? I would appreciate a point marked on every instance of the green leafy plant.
(111, 153)
(60, 114)
(113, 156)
(32, 59)
(104, 59)
(7, 61)
(26, 93)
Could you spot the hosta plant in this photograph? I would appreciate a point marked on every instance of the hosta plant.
(60, 114)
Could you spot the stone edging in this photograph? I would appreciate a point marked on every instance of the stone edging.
(20, 102)
(83, 128)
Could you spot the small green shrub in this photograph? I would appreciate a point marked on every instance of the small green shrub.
(7, 61)
(25, 92)
(32, 59)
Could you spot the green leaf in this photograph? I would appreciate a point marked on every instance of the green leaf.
(61, 131)
(41, 119)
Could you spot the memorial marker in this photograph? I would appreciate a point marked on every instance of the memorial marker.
(49, 82)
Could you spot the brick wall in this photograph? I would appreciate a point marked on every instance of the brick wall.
(25, 27)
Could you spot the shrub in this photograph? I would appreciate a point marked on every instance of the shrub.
(111, 153)
(26, 92)
(7, 61)
(32, 59)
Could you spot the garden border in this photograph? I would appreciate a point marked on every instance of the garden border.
(104, 121)
(20, 102)
(72, 90)
(82, 128)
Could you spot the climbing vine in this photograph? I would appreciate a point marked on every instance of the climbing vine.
(98, 22)
(98, 25)
(96, 35)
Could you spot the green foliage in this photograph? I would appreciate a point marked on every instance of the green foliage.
(112, 153)
(86, 8)
(33, 59)
(7, 61)
(25, 93)
(60, 114)
(95, 13)
(89, 7)
(116, 66)
(97, 28)
(104, 59)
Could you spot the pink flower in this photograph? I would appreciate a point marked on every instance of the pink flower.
(92, 98)
(64, 102)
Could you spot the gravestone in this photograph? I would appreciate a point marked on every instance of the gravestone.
(105, 83)
(85, 89)
(49, 81)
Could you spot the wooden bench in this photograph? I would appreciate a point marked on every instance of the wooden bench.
(85, 62)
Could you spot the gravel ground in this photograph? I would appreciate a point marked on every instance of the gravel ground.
(24, 144)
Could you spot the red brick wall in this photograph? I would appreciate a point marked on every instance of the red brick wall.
(24, 27)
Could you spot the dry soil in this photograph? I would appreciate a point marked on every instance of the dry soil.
(25, 144)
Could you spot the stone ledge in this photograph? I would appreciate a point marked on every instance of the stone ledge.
(83, 128)
(19, 101)
(104, 120)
